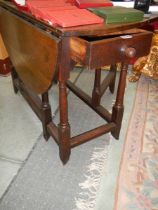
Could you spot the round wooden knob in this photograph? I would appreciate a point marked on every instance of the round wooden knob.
(130, 52)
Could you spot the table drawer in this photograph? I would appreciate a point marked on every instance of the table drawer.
(96, 52)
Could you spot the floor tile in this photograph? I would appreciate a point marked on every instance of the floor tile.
(7, 173)
(19, 127)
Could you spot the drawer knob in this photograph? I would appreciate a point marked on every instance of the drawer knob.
(130, 52)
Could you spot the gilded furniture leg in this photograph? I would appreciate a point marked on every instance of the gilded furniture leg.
(46, 114)
(134, 77)
(118, 108)
(63, 127)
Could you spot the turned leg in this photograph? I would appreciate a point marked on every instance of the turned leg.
(14, 77)
(135, 76)
(46, 114)
(63, 127)
(118, 108)
(96, 94)
(113, 69)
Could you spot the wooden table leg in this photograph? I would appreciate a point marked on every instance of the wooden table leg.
(96, 94)
(118, 108)
(14, 77)
(113, 68)
(99, 88)
(63, 127)
(46, 114)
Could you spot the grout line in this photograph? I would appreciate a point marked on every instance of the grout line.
(31, 151)
(22, 165)
(9, 159)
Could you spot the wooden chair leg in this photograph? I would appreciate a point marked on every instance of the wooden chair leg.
(63, 127)
(46, 114)
(96, 93)
(113, 68)
(118, 108)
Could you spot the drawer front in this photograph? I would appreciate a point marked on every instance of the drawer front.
(98, 53)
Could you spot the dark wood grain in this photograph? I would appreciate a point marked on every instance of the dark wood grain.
(33, 53)
(41, 53)
(100, 51)
(91, 30)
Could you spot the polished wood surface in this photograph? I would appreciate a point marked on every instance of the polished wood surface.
(31, 50)
(87, 50)
(90, 30)
(41, 53)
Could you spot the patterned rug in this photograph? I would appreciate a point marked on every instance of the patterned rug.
(128, 179)
(101, 175)
(137, 183)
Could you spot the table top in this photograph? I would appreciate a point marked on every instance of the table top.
(88, 30)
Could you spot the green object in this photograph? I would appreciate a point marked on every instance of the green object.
(116, 14)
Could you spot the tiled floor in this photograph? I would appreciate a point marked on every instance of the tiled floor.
(19, 130)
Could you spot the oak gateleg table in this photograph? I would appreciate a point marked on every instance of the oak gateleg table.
(41, 53)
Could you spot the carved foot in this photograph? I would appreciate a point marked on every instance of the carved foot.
(134, 78)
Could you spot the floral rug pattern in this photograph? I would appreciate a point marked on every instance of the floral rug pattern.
(137, 184)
